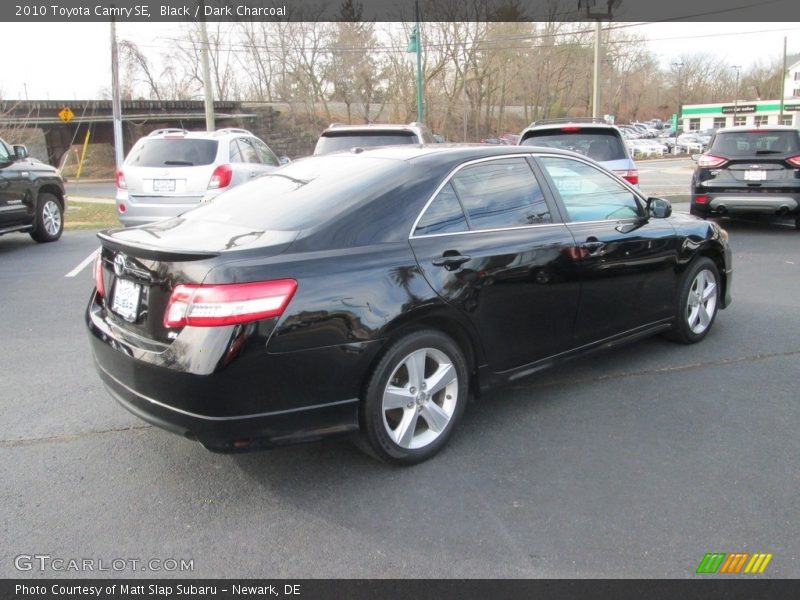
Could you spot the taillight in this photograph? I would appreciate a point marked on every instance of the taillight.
(99, 281)
(122, 208)
(701, 199)
(227, 304)
(710, 161)
(121, 180)
(221, 177)
(570, 129)
(794, 161)
(631, 176)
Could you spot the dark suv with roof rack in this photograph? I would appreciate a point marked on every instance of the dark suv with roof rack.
(592, 137)
(32, 197)
(749, 171)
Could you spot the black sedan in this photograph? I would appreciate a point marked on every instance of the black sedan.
(749, 171)
(370, 292)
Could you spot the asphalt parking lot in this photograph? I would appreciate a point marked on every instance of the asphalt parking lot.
(634, 463)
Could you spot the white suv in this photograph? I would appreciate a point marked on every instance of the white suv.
(171, 171)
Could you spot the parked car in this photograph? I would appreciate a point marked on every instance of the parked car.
(32, 197)
(339, 137)
(370, 293)
(171, 171)
(594, 138)
(749, 171)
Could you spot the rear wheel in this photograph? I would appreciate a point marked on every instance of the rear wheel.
(49, 219)
(414, 398)
(697, 301)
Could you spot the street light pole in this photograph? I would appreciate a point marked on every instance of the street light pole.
(679, 67)
(116, 105)
(736, 93)
(596, 72)
(415, 45)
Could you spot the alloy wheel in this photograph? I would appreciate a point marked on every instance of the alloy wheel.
(420, 398)
(702, 302)
(51, 217)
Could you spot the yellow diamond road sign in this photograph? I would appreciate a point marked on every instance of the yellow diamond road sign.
(66, 114)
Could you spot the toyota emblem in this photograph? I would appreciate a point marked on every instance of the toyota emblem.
(120, 264)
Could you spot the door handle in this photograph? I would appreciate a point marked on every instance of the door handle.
(253, 173)
(451, 260)
(593, 246)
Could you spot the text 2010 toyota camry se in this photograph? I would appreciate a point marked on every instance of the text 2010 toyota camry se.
(370, 292)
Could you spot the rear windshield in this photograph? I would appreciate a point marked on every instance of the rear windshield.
(755, 143)
(338, 141)
(162, 152)
(599, 145)
(304, 193)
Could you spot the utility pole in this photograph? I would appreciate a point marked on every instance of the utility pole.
(209, 93)
(588, 5)
(116, 105)
(596, 73)
(736, 93)
(415, 45)
(783, 82)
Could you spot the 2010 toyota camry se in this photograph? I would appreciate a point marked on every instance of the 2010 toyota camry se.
(370, 292)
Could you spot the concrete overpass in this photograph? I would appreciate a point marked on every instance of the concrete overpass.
(139, 117)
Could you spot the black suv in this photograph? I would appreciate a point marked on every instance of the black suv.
(32, 195)
(747, 170)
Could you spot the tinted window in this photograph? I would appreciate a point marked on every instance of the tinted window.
(597, 144)
(264, 153)
(501, 193)
(305, 193)
(177, 153)
(443, 215)
(754, 143)
(336, 142)
(589, 194)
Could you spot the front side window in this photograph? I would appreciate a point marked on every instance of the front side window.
(5, 152)
(589, 194)
(247, 151)
(501, 193)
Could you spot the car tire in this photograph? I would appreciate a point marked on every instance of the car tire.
(49, 222)
(402, 420)
(697, 301)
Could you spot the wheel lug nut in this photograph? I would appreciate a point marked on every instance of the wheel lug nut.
(413, 390)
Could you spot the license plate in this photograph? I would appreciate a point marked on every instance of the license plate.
(755, 175)
(163, 185)
(126, 299)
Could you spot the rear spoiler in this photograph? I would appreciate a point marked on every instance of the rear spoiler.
(151, 252)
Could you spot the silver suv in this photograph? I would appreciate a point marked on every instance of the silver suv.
(592, 137)
(171, 171)
(339, 137)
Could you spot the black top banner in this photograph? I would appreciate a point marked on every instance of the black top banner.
(399, 10)
(391, 589)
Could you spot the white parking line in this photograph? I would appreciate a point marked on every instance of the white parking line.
(83, 264)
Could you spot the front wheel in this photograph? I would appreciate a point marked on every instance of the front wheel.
(414, 398)
(697, 302)
(49, 219)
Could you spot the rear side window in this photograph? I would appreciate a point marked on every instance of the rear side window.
(337, 142)
(755, 143)
(443, 215)
(597, 144)
(162, 152)
(501, 193)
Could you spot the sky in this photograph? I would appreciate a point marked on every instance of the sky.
(77, 66)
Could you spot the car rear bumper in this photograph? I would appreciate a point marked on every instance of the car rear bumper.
(752, 202)
(140, 210)
(257, 400)
(241, 433)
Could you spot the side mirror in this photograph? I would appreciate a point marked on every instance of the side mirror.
(284, 160)
(20, 151)
(659, 208)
